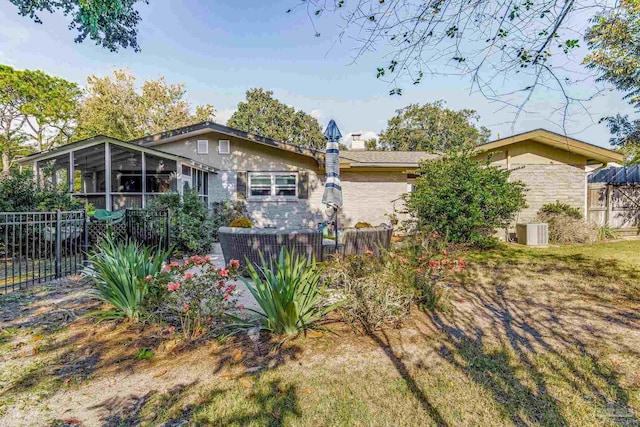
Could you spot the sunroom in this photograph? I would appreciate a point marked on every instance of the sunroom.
(114, 175)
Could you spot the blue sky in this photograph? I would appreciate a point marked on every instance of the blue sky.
(221, 49)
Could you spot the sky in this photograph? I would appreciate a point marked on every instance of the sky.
(221, 49)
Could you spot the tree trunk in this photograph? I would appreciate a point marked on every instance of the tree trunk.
(6, 162)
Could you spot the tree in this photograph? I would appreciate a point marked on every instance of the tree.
(13, 96)
(615, 54)
(464, 199)
(110, 23)
(113, 106)
(50, 110)
(432, 128)
(371, 144)
(263, 115)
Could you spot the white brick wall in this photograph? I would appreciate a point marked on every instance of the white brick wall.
(548, 183)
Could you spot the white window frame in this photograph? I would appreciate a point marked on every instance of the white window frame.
(206, 146)
(273, 186)
(226, 144)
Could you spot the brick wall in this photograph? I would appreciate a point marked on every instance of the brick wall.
(548, 183)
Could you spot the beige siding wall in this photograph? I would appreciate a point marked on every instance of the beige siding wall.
(246, 157)
(368, 196)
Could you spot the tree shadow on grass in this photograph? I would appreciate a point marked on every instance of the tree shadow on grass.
(531, 355)
(382, 340)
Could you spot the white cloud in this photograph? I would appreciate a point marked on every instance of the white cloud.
(222, 116)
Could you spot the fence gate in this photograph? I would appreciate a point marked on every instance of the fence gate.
(36, 247)
(615, 205)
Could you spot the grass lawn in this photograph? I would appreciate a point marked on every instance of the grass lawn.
(533, 337)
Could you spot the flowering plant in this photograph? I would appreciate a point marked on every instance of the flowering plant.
(194, 294)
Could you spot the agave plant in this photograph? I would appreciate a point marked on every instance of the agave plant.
(119, 271)
(289, 294)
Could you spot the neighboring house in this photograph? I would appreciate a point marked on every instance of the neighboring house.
(283, 184)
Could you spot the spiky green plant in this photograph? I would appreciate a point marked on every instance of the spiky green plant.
(288, 292)
(119, 271)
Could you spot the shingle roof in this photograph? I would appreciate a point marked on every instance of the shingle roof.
(385, 158)
(626, 175)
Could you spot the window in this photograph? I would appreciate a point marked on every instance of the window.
(224, 146)
(203, 146)
(273, 184)
(186, 170)
(160, 174)
(200, 183)
(356, 136)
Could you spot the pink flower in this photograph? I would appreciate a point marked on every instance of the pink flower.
(226, 297)
(434, 264)
(167, 267)
(368, 252)
(173, 286)
(421, 258)
(404, 260)
(172, 328)
(418, 270)
(187, 262)
(148, 278)
(186, 307)
(224, 272)
(392, 255)
(188, 276)
(231, 288)
(234, 263)
(241, 307)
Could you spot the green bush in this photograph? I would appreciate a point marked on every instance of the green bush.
(21, 194)
(225, 212)
(289, 294)
(119, 272)
(463, 198)
(241, 223)
(558, 208)
(192, 228)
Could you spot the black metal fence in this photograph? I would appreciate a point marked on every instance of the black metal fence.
(36, 247)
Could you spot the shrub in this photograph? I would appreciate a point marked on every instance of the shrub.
(371, 293)
(606, 232)
(20, 193)
(289, 294)
(194, 294)
(463, 198)
(192, 227)
(225, 212)
(119, 271)
(566, 224)
(379, 290)
(557, 208)
(362, 224)
(241, 223)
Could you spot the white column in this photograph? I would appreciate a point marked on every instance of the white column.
(107, 175)
(144, 180)
(71, 172)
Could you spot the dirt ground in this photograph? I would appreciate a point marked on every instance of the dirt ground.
(531, 341)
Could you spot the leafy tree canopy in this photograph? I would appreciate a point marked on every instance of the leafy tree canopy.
(433, 128)
(114, 107)
(113, 24)
(264, 115)
(614, 40)
(36, 111)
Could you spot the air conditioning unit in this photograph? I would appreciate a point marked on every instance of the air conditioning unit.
(536, 234)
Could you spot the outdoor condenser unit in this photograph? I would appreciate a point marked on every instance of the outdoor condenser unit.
(536, 234)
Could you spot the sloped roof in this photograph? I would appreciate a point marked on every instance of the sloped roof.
(563, 142)
(385, 158)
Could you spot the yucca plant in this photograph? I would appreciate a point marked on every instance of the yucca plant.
(119, 271)
(288, 292)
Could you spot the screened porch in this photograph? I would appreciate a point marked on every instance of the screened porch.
(116, 175)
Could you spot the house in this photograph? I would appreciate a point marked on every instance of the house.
(282, 184)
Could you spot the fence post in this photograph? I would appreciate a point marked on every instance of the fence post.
(58, 243)
(167, 230)
(86, 237)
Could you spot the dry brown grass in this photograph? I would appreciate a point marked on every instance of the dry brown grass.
(535, 337)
